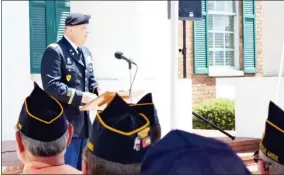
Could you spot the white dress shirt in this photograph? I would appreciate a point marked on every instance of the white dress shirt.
(72, 44)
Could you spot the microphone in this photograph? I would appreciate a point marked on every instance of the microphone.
(119, 55)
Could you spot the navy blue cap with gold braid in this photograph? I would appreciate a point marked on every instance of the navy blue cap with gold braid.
(180, 152)
(120, 134)
(146, 106)
(41, 117)
(272, 142)
(77, 19)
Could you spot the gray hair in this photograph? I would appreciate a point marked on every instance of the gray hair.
(45, 149)
(101, 166)
(274, 167)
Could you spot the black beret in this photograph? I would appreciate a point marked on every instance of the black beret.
(41, 117)
(120, 134)
(77, 19)
(146, 106)
(272, 142)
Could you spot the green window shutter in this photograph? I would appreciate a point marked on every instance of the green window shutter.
(47, 22)
(62, 10)
(249, 36)
(200, 46)
(38, 33)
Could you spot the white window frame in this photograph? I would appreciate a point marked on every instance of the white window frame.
(215, 71)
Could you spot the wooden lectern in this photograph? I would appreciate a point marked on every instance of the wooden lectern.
(103, 100)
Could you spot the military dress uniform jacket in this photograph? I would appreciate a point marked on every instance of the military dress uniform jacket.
(65, 75)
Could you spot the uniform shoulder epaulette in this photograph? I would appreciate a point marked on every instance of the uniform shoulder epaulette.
(53, 45)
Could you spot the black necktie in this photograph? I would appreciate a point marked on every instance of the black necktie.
(80, 54)
(79, 51)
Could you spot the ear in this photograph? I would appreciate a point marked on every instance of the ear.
(19, 141)
(85, 169)
(70, 133)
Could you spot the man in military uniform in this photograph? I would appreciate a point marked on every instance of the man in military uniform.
(180, 152)
(119, 139)
(42, 135)
(67, 74)
(270, 156)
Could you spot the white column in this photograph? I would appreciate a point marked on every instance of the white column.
(174, 63)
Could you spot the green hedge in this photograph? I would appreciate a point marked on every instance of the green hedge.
(219, 111)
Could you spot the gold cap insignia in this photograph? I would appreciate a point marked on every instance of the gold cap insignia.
(90, 146)
(68, 77)
(144, 133)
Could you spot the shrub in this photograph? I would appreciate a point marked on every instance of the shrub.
(221, 112)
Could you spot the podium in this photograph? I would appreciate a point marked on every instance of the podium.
(105, 98)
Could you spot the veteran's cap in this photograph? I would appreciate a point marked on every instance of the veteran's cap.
(180, 152)
(41, 117)
(146, 106)
(120, 134)
(77, 19)
(272, 142)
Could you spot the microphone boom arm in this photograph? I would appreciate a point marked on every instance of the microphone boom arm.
(130, 77)
(119, 55)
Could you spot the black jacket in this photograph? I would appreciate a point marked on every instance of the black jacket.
(65, 76)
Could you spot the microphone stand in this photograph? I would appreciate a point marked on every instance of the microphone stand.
(130, 78)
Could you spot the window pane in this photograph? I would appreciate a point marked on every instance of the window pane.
(219, 22)
(211, 5)
(230, 58)
(230, 6)
(211, 63)
(229, 40)
(229, 25)
(210, 40)
(220, 6)
(210, 22)
(223, 23)
(219, 57)
(219, 40)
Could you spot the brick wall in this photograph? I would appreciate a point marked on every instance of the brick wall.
(203, 86)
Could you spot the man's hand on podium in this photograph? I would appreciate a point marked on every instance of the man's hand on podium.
(101, 91)
(88, 97)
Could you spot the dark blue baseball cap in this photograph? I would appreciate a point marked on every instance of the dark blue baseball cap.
(180, 152)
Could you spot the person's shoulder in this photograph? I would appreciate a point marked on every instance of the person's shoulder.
(72, 170)
(53, 45)
(84, 48)
(53, 48)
